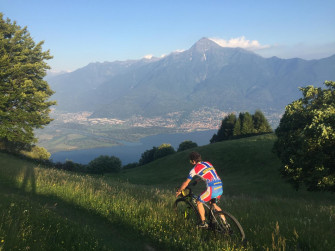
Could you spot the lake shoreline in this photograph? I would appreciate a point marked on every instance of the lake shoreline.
(130, 152)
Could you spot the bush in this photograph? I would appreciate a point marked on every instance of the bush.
(164, 150)
(131, 165)
(148, 156)
(69, 165)
(104, 164)
(36, 152)
(187, 144)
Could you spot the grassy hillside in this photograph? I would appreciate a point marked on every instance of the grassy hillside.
(57, 210)
(271, 211)
(247, 166)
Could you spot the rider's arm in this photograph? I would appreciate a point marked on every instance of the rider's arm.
(183, 186)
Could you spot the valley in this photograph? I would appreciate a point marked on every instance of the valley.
(78, 130)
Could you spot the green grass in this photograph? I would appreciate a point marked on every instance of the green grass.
(133, 210)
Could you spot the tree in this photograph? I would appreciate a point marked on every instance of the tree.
(306, 139)
(187, 144)
(37, 152)
(261, 125)
(226, 130)
(148, 156)
(105, 164)
(24, 95)
(164, 150)
(247, 125)
(237, 127)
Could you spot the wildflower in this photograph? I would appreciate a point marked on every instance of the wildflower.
(2, 241)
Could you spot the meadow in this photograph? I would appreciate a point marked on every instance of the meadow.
(48, 209)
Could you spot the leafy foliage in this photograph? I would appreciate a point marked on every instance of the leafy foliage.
(243, 126)
(187, 144)
(156, 153)
(306, 139)
(164, 150)
(260, 123)
(148, 156)
(130, 165)
(37, 152)
(104, 164)
(24, 103)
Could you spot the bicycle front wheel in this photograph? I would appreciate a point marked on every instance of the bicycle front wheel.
(186, 211)
(229, 227)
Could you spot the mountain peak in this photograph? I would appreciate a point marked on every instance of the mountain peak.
(205, 44)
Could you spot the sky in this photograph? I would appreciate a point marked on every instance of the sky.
(79, 32)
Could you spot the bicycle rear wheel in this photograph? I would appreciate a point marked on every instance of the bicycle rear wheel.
(186, 211)
(230, 228)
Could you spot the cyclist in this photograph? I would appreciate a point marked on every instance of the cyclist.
(207, 173)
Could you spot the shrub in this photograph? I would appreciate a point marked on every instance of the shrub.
(37, 152)
(164, 150)
(148, 156)
(131, 165)
(187, 144)
(104, 164)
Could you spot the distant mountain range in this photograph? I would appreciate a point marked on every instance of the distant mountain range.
(206, 75)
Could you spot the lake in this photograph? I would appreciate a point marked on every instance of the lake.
(131, 152)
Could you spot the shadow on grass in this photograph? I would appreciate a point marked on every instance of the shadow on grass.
(29, 178)
(114, 236)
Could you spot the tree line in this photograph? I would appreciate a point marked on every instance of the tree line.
(160, 152)
(244, 125)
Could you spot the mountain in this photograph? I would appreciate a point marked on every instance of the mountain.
(206, 75)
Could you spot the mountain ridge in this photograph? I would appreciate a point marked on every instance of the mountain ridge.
(206, 75)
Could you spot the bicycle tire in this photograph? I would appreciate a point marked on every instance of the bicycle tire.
(185, 210)
(233, 229)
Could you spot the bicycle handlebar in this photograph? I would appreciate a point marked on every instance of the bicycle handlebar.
(188, 188)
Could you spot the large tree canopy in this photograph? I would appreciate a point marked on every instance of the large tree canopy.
(306, 139)
(24, 94)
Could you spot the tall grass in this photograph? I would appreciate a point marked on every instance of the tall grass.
(140, 216)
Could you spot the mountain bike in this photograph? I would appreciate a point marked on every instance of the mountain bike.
(218, 221)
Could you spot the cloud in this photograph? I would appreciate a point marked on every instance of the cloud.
(241, 42)
(149, 56)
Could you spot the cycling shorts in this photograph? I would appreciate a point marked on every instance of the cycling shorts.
(212, 192)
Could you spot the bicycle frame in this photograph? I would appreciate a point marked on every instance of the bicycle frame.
(208, 208)
(220, 221)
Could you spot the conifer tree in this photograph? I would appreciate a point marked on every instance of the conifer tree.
(261, 124)
(24, 95)
(226, 130)
(247, 126)
(237, 127)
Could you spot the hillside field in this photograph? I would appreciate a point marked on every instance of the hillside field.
(47, 209)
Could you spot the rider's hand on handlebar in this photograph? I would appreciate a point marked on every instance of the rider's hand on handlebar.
(178, 192)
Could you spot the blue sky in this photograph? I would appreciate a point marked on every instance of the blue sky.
(80, 32)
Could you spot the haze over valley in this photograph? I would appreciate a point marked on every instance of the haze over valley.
(103, 104)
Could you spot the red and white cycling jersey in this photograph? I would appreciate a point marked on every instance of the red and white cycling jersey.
(207, 173)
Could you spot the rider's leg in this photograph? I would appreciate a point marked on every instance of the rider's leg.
(217, 208)
(201, 210)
